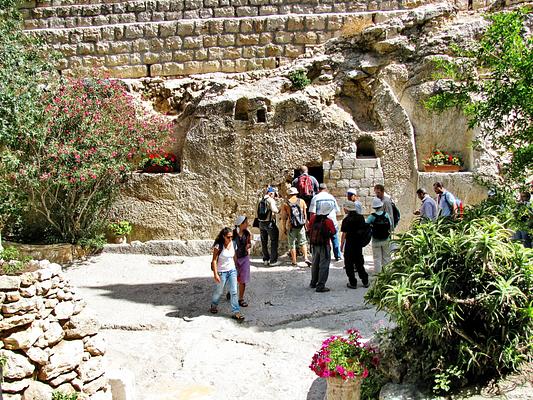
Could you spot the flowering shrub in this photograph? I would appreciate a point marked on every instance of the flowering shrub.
(120, 228)
(344, 357)
(69, 171)
(155, 162)
(439, 157)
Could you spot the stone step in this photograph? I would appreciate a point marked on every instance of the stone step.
(100, 14)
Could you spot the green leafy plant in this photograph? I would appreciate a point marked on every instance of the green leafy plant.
(299, 79)
(93, 244)
(439, 157)
(57, 395)
(460, 293)
(11, 261)
(120, 228)
(491, 81)
(156, 162)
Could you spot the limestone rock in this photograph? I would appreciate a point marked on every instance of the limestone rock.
(92, 387)
(64, 310)
(15, 386)
(81, 325)
(66, 356)
(95, 345)
(17, 366)
(44, 274)
(28, 291)
(394, 391)
(12, 296)
(17, 320)
(38, 355)
(67, 377)
(43, 287)
(91, 369)
(37, 391)
(21, 305)
(54, 333)
(23, 339)
(9, 282)
(10, 396)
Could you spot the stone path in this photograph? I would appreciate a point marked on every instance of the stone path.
(156, 322)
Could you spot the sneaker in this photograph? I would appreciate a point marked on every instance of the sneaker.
(322, 290)
(228, 296)
(312, 285)
(350, 286)
(308, 263)
(265, 263)
(365, 285)
(275, 263)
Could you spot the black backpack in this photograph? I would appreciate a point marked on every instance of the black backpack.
(395, 214)
(380, 227)
(318, 234)
(297, 216)
(263, 210)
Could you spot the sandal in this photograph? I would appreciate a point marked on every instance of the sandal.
(213, 309)
(243, 303)
(238, 317)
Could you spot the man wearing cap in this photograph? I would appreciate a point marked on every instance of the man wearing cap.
(268, 229)
(294, 221)
(381, 226)
(325, 200)
(321, 231)
(355, 235)
(351, 195)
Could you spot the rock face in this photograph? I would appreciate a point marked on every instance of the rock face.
(46, 334)
(361, 122)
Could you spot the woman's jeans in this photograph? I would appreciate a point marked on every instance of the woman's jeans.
(231, 278)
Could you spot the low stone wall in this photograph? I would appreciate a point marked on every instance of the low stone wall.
(61, 253)
(49, 339)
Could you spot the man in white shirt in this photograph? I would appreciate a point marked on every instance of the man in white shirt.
(325, 199)
(379, 191)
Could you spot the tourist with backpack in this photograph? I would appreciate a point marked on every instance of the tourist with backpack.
(380, 223)
(326, 200)
(321, 231)
(388, 206)
(356, 234)
(294, 220)
(306, 185)
(224, 271)
(266, 210)
(242, 240)
(446, 201)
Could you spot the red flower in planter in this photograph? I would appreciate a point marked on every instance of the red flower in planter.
(156, 162)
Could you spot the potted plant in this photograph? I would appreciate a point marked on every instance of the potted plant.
(160, 162)
(442, 161)
(119, 230)
(344, 361)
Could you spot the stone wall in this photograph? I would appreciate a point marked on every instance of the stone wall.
(49, 339)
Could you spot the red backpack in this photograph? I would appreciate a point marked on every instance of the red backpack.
(305, 186)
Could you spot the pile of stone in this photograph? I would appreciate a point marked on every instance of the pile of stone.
(48, 339)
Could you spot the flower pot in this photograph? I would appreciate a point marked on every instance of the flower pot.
(442, 168)
(119, 239)
(339, 389)
(157, 169)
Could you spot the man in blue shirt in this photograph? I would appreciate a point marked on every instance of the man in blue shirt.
(428, 209)
(446, 201)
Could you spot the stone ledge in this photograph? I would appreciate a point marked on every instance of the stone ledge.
(188, 248)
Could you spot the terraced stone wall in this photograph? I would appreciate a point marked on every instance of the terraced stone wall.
(170, 38)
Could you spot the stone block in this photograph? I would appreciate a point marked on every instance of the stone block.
(326, 165)
(295, 23)
(17, 366)
(120, 47)
(266, 38)
(292, 51)
(171, 69)
(270, 63)
(367, 182)
(268, 10)
(192, 42)
(246, 26)
(192, 67)
(283, 37)
(120, 59)
(64, 310)
(276, 24)
(200, 54)
(224, 12)
(134, 32)
(247, 11)
(247, 40)
(346, 173)
(185, 28)
(63, 378)
(37, 391)
(38, 355)
(227, 66)
(66, 356)
(226, 40)
(91, 369)
(166, 30)
(95, 345)
(335, 174)
(173, 43)
(15, 386)
(305, 38)
(9, 282)
(24, 339)
(315, 23)
(240, 65)
(358, 173)
(369, 173)
(273, 50)
(29, 291)
(366, 162)
(210, 41)
(343, 183)
(182, 56)
(210, 66)
(23, 305)
(348, 163)
(231, 26)
(231, 53)
(336, 165)
(16, 320)
(334, 23)
(95, 385)
(355, 183)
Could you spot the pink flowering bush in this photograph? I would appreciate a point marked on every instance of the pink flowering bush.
(346, 357)
(68, 172)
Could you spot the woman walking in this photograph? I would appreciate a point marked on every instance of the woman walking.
(223, 267)
(243, 242)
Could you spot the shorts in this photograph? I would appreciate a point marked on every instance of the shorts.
(296, 237)
(243, 269)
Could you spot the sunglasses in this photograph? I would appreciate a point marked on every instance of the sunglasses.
(229, 236)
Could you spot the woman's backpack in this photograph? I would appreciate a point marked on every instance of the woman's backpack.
(297, 216)
(380, 226)
(318, 234)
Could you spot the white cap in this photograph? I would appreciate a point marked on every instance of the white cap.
(239, 220)
(377, 203)
(292, 191)
(351, 191)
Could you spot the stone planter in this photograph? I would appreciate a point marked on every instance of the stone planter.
(339, 389)
(61, 253)
(442, 168)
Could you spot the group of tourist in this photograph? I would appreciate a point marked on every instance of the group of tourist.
(308, 218)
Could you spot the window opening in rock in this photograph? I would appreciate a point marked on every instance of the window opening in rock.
(149, 70)
(241, 109)
(261, 115)
(317, 172)
(366, 148)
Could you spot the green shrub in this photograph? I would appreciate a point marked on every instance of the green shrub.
(93, 244)
(299, 79)
(12, 261)
(460, 294)
(64, 396)
(120, 228)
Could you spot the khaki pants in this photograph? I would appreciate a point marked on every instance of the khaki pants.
(381, 253)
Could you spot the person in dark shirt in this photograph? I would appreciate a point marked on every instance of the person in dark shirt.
(355, 235)
(321, 230)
